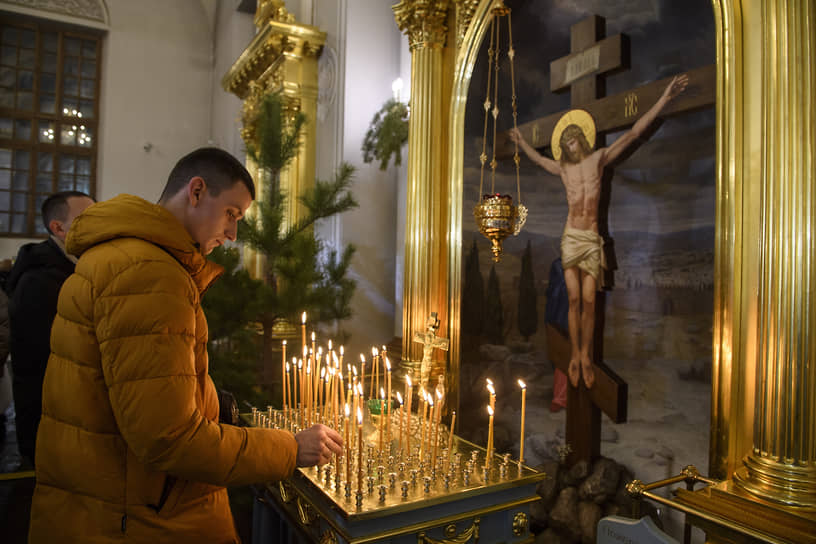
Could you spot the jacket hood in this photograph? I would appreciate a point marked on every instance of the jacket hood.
(128, 216)
(45, 254)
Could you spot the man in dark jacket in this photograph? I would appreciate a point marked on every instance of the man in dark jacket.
(33, 286)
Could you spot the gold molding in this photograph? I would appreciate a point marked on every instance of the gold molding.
(748, 159)
(424, 22)
(464, 15)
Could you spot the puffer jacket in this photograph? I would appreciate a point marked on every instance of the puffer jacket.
(129, 446)
(33, 286)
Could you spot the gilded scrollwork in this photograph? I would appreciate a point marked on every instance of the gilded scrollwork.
(451, 537)
(464, 14)
(520, 520)
(423, 21)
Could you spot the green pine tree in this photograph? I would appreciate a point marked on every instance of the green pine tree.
(473, 295)
(302, 274)
(528, 297)
(494, 314)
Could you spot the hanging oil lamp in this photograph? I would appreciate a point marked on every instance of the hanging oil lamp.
(496, 216)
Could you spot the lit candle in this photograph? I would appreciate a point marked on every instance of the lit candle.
(437, 417)
(375, 370)
(299, 389)
(288, 392)
(489, 453)
(283, 377)
(401, 420)
(303, 332)
(309, 390)
(450, 437)
(492, 407)
(320, 387)
(428, 402)
(382, 417)
(359, 451)
(409, 401)
(388, 399)
(362, 369)
(347, 444)
(523, 407)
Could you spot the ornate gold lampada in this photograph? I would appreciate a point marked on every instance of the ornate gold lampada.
(496, 216)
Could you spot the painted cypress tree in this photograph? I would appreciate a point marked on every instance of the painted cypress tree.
(528, 298)
(473, 295)
(494, 314)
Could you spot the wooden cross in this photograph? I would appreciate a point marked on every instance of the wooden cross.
(584, 406)
(614, 112)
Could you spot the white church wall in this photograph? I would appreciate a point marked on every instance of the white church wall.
(372, 63)
(233, 32)
(151, 111)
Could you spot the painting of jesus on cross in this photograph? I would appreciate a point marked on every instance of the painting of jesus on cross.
(581, 169)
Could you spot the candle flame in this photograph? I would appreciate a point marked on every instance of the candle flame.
(399, 398)
(522, 384)
(284, 342)
(313, 336)
(362, 358)
(490, 411)
(347, 409)
(382, 393)
(287, 367)
(336, 360)
(489, 381)
(330, 345)
(439, 394)
(354, 370)
(341, 350)
(374, 352)
(430, 400)
(490, 388)
(359, 416)
(384, 348)
(300, 363)
(408, 380)
(303, 318)
(387, 364)
(305, 351)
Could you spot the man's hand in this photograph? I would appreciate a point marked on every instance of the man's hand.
(676, 86)
(317, 444)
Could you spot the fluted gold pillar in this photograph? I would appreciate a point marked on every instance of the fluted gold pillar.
(281, 58)
(428, 201)
(782, 463)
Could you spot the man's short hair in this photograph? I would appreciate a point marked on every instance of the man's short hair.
(56, 207)
(219, 169)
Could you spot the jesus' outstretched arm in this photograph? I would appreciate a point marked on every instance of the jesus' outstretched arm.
(676, 86)
(546, 163)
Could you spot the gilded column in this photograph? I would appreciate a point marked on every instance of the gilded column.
(426, 252)
(782, 463)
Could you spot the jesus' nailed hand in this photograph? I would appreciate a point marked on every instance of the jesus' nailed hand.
(581, 169)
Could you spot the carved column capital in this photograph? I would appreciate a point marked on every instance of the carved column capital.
(464, 14)
(423, 21)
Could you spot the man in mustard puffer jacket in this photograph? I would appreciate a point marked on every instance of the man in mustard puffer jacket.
(129, 447)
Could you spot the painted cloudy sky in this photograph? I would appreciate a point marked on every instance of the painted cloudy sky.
(667, 185)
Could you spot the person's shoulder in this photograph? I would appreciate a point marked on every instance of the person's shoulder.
(109, 259)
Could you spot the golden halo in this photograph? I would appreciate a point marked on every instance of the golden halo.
(583, 119)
